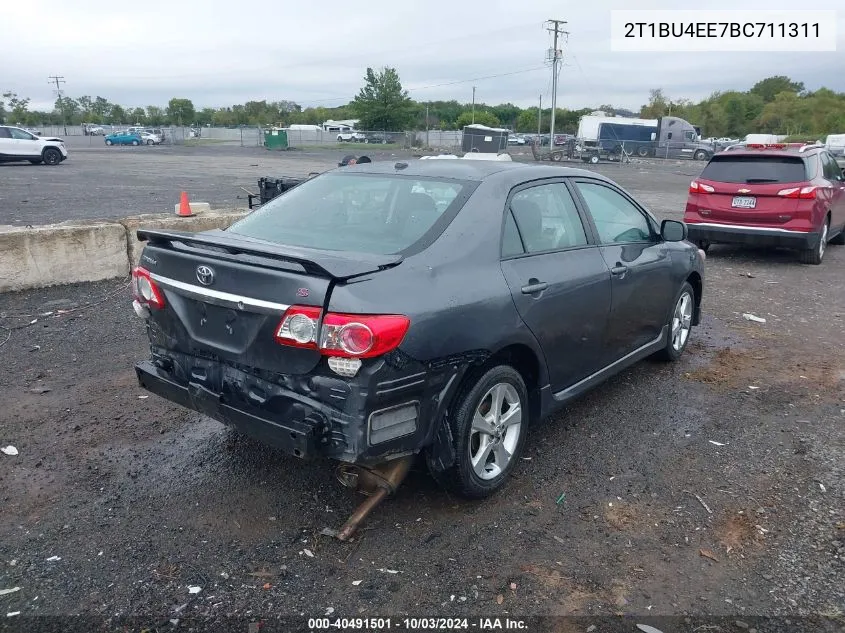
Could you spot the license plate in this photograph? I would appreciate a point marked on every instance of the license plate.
(744, 202)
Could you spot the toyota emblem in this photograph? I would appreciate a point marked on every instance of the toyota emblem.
(205, 275)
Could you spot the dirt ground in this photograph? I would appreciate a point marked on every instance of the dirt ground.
(709, 488)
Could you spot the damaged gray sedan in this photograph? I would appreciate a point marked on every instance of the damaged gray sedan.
(380, 311)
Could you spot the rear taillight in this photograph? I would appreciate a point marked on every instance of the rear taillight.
(803, 193)
(298, 327)
(344, 335)
(144, 289)
(700, 187)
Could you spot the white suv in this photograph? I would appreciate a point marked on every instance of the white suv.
(18, 145)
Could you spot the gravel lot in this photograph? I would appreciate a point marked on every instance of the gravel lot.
(711, 488)
(99, 182)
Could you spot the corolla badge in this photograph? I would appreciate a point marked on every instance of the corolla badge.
(205, 275)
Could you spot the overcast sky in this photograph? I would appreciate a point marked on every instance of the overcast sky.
(218, 53)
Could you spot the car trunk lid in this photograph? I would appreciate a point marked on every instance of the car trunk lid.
(208, 310)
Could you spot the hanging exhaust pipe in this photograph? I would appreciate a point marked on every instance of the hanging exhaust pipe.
(376, 483)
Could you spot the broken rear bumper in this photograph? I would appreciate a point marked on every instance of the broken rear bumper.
(296, 437)
(382, 413)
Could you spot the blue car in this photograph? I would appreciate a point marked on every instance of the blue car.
(123, 138)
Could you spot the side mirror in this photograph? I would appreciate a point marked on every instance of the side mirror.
(673, 231)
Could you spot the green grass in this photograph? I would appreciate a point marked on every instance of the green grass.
(193, 142)
(359, 149)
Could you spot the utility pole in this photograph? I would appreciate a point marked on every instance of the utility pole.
(473, 104)
(59, 79)
(539, 119)
(556, 28)
(426, 126)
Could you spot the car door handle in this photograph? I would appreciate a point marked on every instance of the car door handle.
(619, 270)
(534, 287)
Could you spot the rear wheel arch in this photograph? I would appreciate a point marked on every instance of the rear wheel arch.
(694, 280)
(524, 360)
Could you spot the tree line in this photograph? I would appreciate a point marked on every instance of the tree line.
(773, 105)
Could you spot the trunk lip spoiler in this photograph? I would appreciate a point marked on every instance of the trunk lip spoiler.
(330, 264)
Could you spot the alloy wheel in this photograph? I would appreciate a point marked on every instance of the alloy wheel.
(496, 427)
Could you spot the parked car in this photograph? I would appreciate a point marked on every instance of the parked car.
(516, 139)
(16, 144)
(33, 131)
(782, 194)
(563, 139)
(123, 138)
(351, 136)
(149, 138)
(95, 130)
(314, 323)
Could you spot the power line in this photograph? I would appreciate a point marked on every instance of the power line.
(448, 83)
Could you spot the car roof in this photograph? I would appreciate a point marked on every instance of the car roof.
(476, 170)
(794, 151)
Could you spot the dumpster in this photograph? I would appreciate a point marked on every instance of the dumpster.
(276, 139)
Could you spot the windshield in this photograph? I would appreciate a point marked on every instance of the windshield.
(755, 169)
(365, 213)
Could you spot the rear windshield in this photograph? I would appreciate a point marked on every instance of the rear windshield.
(751, 169)
(364, 213)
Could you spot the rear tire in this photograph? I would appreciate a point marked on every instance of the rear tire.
(680, 324)
(814, 256)
(495, 453)
(51, 156)
(642, 151)
(149, 142)
(594, 160)
(135, 142)
(703, 245)
(557, 156)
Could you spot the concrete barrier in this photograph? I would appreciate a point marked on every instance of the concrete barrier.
(61, 254)
(204, 222)
(72, 252)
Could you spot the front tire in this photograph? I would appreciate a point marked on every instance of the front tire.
(815, 255)
(51, 156)
(700, 155)
(680, 324)
(703, 245)
(108, 142)
(489, 423)
(135, 142)
(594, 160)
(642, 151)
(149, 142)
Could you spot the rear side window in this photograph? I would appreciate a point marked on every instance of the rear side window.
(755, 169)
(365, 213)
(4, 132)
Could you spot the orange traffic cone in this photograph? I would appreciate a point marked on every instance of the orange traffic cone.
(184, 206)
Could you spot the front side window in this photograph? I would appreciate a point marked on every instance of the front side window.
(21, 135)
(547, 218)
(616, 218)
(365, 213)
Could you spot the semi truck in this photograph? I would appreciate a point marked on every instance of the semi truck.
(615, 137)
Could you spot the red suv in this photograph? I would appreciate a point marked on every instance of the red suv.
(787, 194)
